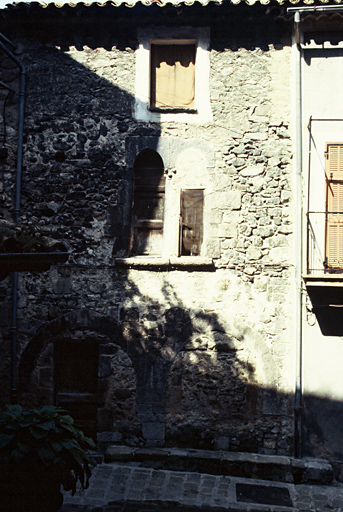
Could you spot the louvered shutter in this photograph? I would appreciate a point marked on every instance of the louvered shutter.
(334, 206)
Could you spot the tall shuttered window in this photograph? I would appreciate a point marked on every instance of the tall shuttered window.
(150, 194)
(334, 206)
(172, 77)
(148, 204)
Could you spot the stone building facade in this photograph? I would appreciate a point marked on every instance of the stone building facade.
(175, 349)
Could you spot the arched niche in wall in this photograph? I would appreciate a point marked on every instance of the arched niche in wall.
(211, 391)
(117, 411)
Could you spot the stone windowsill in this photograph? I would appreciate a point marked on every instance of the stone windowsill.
(175, 263)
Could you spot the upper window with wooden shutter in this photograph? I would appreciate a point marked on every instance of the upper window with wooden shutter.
(173, 74)
(172, 77)
(334, 206)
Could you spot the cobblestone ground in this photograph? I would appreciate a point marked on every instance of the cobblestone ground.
(119, 487)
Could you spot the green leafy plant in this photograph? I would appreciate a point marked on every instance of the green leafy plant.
(45, 439)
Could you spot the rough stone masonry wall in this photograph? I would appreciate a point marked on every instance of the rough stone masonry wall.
(185, 357)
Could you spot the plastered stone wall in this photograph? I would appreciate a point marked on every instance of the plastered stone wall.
(186, 355)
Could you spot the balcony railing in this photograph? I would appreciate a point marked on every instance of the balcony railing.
(324, 243)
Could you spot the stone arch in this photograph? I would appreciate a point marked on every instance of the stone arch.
(148, 159)
(115, 391)
(137, 145)
(78, 319)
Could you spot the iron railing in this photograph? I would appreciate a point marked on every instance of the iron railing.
(319, 259)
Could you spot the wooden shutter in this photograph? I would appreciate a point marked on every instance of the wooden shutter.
(191, 222)
(334, 206)
(148, 204)
(334, 162)
(148, 221)
(172, 76)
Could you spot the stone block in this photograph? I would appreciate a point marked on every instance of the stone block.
(150, 454)
(154, 432)
(252, 170)
(236, 134)
(105, 366)
(259, 119)
(45, 377)
(270, 402)
(257, 136)
(285, 196)
(222, 443)
(62, 286)
(254, 253)
(212, 248)
(228, 199)
(227, 230)
(318, 472)
(107, 437)
(114, 453)
(279, 255)
(4, 314)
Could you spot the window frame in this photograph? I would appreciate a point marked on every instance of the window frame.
(200, 36)
(170, 227)
(153, 190)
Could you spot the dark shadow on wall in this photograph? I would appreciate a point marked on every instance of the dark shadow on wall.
(194, 386)
(170, 375)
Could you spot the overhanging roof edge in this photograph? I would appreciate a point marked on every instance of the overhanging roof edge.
(296, 4)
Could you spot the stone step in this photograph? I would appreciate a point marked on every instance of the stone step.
(245, 465)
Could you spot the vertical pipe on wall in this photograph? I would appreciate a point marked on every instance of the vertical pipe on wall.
(299, 241)
(14, 366)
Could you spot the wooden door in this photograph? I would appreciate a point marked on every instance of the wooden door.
(76, 382)
(191, 222)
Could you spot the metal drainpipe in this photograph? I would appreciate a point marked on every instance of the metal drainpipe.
(14, 365)
(299, 244)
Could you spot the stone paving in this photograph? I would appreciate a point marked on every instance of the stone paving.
(129, 487)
